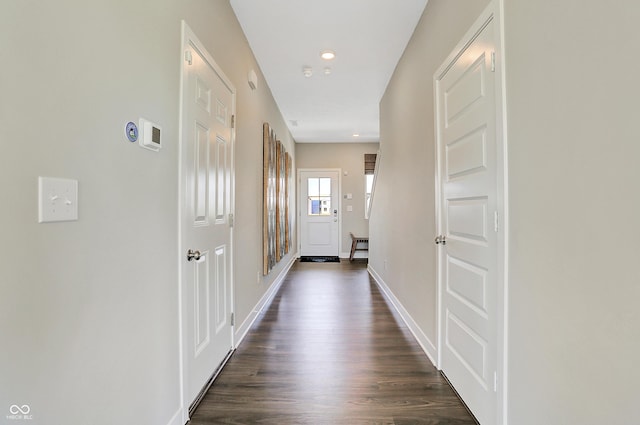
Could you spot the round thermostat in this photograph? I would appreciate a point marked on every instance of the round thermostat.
(132, 132)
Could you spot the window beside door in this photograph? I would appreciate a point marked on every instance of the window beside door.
(369, 173)
(367, 193)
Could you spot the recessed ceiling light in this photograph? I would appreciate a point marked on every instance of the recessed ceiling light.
(356, 135)
(328, 55)
(307, 71)
(327, 71)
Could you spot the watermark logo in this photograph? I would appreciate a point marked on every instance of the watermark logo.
(20, 412)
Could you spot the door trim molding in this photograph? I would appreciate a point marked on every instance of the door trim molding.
(494, 11)
(300, 204)
(189, 38)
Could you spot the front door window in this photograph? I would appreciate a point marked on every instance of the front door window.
(319, 196)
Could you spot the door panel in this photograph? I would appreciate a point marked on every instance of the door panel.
(468, 283)
(221, 169)
(469, 348)
(206, 185)
(465, 90)
(319, 212)
(201, 183)
(201, 303)
(467, 218)
(468, 262)
(467, 155)
(221, 296)
(319, 234)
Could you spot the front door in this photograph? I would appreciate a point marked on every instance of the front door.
(319, 212)
(469, 220)
(206, 204)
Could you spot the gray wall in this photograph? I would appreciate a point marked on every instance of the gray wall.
(572, 88)
(574, 285)
(350, 158)
(89, 309)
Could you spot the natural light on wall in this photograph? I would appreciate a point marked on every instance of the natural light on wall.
(369, 175)
(367, 194)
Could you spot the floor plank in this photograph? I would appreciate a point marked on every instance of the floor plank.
(330, 350)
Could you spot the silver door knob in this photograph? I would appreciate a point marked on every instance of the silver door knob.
(441, 240)
(193, 255)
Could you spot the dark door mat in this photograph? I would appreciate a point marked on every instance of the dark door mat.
(314, 259)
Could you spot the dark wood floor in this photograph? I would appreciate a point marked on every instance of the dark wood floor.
(330, 350)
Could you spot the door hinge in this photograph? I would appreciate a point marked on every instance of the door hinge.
(188, 57)
(233, 319)
(495, 221)
(493, 61)
(233, 121)
(231, 220)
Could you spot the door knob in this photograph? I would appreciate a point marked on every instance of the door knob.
(441, 240)
(193, 255)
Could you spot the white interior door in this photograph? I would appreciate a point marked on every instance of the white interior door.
(206, 205)
(469, 212)
(319, 212)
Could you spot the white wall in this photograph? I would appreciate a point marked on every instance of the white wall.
(89, 309)
(349, 157)
(402, 224)
(572, 87)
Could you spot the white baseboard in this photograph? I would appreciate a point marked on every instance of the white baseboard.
(242, 330)
(425, 343)
(178, 419)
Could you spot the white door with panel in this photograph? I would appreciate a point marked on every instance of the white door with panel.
(206, 205)
(319, 212)
(469, 210)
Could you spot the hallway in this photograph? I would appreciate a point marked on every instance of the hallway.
(330, 350)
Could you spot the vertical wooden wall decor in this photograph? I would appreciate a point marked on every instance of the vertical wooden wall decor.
(269, 177)
(287, 228)
(279, 195)
(282, 201)
(276, 236)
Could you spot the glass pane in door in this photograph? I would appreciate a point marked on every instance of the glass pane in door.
(319, 196)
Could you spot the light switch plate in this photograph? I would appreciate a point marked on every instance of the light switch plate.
(349, 208)
(57, 199)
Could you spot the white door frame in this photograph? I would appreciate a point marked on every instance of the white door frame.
(302, 204)
(189, 38)
(493, 11)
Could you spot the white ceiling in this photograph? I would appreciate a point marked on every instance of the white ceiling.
(368, 36)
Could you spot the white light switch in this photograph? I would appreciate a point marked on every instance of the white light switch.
(57, 199)
(349, 208)
(349, 195)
